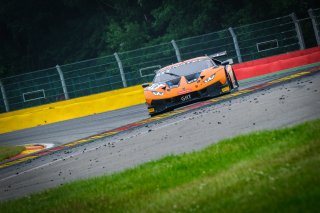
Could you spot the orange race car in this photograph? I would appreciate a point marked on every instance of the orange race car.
(189, 81)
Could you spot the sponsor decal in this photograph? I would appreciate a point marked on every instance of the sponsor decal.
(186, 97)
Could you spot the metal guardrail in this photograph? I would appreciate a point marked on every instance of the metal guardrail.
(122, 69)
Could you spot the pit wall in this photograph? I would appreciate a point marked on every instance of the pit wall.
(122, 98)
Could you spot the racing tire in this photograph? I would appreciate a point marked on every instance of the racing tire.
(235, 79)
(229, 81)
(234, 85)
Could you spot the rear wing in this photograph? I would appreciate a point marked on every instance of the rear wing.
(219, 54)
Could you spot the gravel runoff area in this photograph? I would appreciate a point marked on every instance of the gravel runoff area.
(280, 106)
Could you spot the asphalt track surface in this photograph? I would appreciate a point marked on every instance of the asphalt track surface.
(71, 130)
(275, 107)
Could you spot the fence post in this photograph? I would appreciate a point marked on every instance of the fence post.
(4, 96)
(123, 77)
(236, 44)
(315, 26)
(298, 31)
(175, 46)
(63, 83)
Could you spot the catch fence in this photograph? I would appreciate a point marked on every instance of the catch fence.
(124, 69)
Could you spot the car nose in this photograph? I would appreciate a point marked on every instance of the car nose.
(184, 87)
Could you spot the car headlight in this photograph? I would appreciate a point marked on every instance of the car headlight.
(157, 93)
(209, 78)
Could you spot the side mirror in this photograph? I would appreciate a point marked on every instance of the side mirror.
(226, 62)
(144, 85)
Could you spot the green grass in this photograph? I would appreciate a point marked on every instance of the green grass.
(271, 171)
(10, 151)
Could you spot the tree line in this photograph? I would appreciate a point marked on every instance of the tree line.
(36, 34)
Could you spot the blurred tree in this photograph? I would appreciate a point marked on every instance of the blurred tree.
(127, 37)
(36, 34)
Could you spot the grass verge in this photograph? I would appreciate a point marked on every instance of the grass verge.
(270, 171)
(10, 151)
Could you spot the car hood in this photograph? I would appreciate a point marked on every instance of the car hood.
(156, 86)
(174, 82)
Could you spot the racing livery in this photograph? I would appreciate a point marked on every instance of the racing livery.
(188, 81)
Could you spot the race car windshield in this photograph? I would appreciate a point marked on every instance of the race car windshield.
(165, 76)
(183, 70)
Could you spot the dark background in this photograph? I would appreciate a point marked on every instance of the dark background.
(36, 34)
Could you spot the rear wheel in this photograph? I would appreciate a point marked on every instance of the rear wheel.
(229, 81)
(233, 84)
(236, 83)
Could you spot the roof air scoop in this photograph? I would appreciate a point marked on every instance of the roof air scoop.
(173, 83)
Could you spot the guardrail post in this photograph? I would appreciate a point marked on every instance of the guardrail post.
(315, 26)
(123, 77)
(63, 83)
(175, 46)
(236, 44)
(4, 96)
(298, 31)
